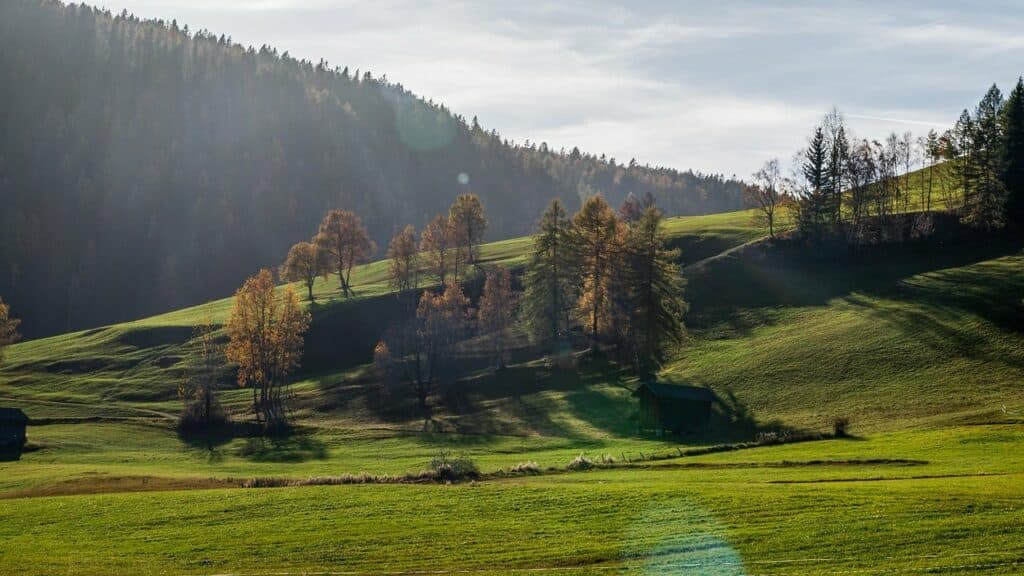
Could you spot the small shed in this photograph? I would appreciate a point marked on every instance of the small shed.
(673, 408)
(12, 429)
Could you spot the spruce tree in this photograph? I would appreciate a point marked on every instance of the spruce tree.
(549, 287)
(814, 206)
(656, 292)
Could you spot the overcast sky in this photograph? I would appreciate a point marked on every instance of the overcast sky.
(714, 86)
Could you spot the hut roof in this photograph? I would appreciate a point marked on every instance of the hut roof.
(677, 392)
(13, 415)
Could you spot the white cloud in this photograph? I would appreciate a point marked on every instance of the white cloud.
(957, 37)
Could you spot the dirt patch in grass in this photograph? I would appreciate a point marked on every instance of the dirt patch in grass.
(113, 484)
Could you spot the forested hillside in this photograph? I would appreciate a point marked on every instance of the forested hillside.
(144, 166)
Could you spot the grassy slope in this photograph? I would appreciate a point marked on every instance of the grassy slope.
(889, 348)
(922, 352)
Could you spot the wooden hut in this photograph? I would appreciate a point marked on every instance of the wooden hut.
(12, 429)
(672, 408)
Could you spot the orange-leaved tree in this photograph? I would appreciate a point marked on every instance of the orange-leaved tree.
(403, 272)
(344, 237)
(8, 328)
(266, 337)
(305, 261)
(435, 243)
(468, 223)
(497, 310)
(597, 240)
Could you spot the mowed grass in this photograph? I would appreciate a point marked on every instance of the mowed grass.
(762, 511)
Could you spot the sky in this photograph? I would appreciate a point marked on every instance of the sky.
(716, 86)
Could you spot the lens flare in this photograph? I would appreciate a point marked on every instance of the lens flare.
(679, 537)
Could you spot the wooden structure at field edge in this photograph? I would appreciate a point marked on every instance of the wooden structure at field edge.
(12, 429)
(669, 408)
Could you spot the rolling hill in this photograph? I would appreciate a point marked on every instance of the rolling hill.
(921, 347)
(123, 141)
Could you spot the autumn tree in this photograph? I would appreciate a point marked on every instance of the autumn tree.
(655, 288)
(305, 261)
(8, 328)
(435, 245)
(550, 286)
(422, 350)
(630, 209)
(198, 390)
(861, 177)
(596, 237)
(343, 236)
(766, 194)
(403, 270)
(468, 223)
(265, 331)
(497, 310)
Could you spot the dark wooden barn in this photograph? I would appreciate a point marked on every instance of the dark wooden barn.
(669, 408)
(12, 429)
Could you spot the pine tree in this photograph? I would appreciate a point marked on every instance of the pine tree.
(656, 291)
(988, 191)
(813, 208)
(549, 286)
(1013, 150)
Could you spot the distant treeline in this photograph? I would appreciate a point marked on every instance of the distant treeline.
(144, 166)
(859, 191)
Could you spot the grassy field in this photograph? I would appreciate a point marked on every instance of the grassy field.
(798, 509)
(922, 348)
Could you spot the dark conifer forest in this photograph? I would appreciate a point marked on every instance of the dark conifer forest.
(145, 167)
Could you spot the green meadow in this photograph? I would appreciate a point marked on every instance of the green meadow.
(922, 349)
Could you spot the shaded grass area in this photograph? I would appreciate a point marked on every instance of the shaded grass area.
(906, 338)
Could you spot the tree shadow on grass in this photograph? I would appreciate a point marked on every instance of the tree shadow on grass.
(734, 294)
(296, 446)
(211, 442)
